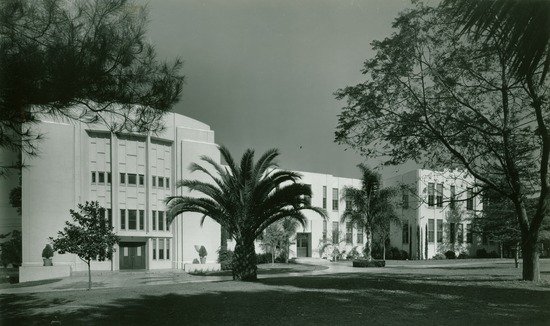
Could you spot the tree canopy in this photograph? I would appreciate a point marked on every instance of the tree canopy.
(56, 55)
(91, 238)
(436, 96)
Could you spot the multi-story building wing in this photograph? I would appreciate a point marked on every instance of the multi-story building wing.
(436, 211)
(130, 174)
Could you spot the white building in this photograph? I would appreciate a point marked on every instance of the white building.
(130, 175)
(427, 225)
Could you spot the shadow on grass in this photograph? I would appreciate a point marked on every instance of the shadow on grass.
(27, 284)
(341, 299)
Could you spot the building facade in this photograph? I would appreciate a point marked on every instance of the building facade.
(436, 209)
(129, 174)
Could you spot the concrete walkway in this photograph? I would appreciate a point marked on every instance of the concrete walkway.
(119, 279)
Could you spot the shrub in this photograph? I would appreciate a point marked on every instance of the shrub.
(202, 252)
(462, 255)
(493, 254)
(196, 261)
(404, 255)
(281, 258)
(450, 254)
(225, 258)
(377, 251)
(47, 252)
(366, 263)
(438, 257)
(263, 258)
(481, 253)
(353, 254)
(10, 250)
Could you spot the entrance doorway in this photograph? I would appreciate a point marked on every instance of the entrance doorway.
(132, 255)
(303, 244)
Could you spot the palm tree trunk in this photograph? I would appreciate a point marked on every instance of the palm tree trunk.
(244, 261)
(368, 244)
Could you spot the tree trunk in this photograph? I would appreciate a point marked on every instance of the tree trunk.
(244, 261)
(368, 244)
(501, 253)
(272, 255)
(384, 251)
(516, 255)
(89, 276)
(530, 261)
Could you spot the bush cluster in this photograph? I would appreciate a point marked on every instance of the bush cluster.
(10, 250)
(396, 254)
(225, 258)
(482, 253)
(450, 254)
(463, 255)
(438, 257)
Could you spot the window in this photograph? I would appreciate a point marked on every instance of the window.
(453, 196)
(348, 202)
(141, 180)
(93, 177)
(470, 199)
(452, 232)
(334, 199)
(141, 219)
(161, 182)
(167, 183)
(161, 248)
(360, 235)
(109, 177)
(349, 233)
(101, 177)
(431, 230)
(123, 219)
(439, 198)
(167, 248)
(154, 248)
(439, 230)
(324, 197)
(122, 178)
(335, 232)
(468, 233)
(132, 179)
(405, 200)
(154, 181)
(109, 217)
(324, 230)
(132, 219)
(154, 216)
(161, 220)
(460, 233)
(405, 232)
(430, 194)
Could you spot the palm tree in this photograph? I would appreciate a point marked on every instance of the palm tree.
(522, 25)
(372, 207)
(245, 200)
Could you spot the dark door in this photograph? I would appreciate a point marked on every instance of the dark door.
(132, 255)
(302, 244)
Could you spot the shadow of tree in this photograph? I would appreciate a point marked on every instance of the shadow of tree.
(341, 299)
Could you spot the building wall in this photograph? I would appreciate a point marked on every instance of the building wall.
(425, 218)
(81, 163)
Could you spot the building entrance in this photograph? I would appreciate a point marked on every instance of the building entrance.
(303, 244)
(132, 255)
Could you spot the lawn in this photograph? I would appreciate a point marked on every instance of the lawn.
(264, 269)
(478, 296)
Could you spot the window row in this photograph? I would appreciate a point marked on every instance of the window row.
(130, 179)
(349, 233)
(133, 219)
(456, 232)
(161, 249)
(435, 196)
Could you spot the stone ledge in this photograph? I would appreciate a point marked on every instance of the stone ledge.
(208, 267)
(37, 273)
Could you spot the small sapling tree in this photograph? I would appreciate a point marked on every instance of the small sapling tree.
(91, 237)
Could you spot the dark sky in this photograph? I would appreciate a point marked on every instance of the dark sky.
(262, 73)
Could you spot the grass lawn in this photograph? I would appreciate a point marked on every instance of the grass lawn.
(477, 296)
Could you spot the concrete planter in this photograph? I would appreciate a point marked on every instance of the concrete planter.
(198, 268)
(47, 261)
(369, 263)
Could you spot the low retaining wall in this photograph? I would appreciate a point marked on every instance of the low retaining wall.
(37, 273)
(208, 267)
